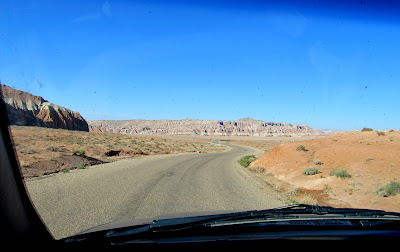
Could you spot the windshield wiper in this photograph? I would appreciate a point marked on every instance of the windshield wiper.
(294, 211)
(304, 216)
(316, 210)
(303, 211)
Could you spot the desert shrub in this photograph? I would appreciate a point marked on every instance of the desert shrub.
(390, 189)
(301, 148)
(340, 173)
(82, 166)
(367, 129)
(246, 160)
(381, 133)
(55, 148)
(52, 148)
(317, 162)
(310, 171)
(26, 151)
(79, 152)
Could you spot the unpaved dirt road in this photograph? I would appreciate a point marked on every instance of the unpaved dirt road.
(146, 187)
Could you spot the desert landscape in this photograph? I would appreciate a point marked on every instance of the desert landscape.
(301, 169)
(358, 169)
(43, 151)
(343, 169)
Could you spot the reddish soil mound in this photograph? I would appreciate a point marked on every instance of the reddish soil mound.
(62, 163)
(371, 159)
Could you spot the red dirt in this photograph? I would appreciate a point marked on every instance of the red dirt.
(370, 159)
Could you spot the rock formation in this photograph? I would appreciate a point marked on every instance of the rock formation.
(25, 109)
(241, 127)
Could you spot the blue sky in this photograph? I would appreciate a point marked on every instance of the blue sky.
(297, 63)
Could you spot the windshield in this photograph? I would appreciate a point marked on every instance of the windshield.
(123, 110)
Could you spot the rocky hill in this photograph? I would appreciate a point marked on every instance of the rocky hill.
(25, 109)
(241, 127)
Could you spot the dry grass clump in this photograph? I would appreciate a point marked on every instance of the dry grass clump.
(310, 171)
(340, 173)
(381, 133)
(367, 129)
(390, 189)
(301, 148)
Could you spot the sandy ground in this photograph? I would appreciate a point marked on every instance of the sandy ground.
(42, 151)
(372, 160)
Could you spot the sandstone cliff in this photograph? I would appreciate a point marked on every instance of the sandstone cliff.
(25, 109)
(241, 127)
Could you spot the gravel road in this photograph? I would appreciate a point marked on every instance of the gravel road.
(146, 187)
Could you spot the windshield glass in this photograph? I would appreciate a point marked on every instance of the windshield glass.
(122, 110)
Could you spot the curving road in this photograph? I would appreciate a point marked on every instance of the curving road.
(147, 187)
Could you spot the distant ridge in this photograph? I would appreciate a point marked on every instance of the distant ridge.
(25, 109)
(241, 127)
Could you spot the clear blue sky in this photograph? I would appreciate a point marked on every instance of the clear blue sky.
(300, 63)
